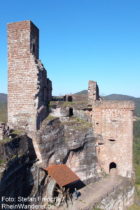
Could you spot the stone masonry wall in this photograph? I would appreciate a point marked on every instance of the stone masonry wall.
(29, 90)
(113, 125)
(93, 92)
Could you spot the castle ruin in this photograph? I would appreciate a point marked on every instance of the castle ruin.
(113, 125)
(29, 89)
(29, 93)
(85, 137)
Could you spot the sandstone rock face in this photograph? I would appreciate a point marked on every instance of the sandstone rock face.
(1, 134)
(3, 130)
(71, 142)
(110, 193)
(17, 158)
(121, 198)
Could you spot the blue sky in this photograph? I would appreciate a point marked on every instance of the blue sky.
(81, 40)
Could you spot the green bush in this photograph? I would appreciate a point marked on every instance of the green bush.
(136, 153)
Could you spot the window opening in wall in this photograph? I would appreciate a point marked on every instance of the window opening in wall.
(33, 48)
(100, 143)
(70, 112)
(112, 140)
(112, 165)
(70, 98)
(114, 120)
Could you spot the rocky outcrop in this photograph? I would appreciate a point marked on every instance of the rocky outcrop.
(17, 158)
(66, 140)
(120, 198)
(70, 141)
(110, 193)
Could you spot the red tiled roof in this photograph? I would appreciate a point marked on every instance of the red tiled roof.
(62, 174)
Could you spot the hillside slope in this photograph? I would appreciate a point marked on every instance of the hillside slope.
(3, 107)
(3, 98)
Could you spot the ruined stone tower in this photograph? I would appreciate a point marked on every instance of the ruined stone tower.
(113, 127)
(93, 92)
(29, 90)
